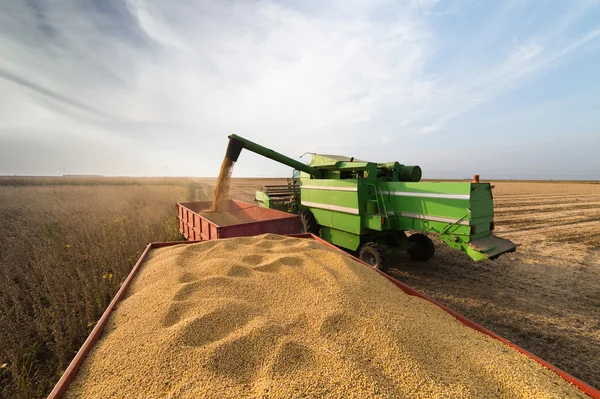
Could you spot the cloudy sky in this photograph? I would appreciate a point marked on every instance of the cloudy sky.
(506, 89)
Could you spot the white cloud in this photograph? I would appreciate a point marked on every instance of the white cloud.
(258, 67)
(168, 77)
(286, 70)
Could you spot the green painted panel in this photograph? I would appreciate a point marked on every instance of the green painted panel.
(341, 238)
(349, 223)
(333, 208)
(405, 223)
(371, 207)
(347, 201)
(346, 183)
(464, 247)
(445, 208)
(338, 220)
(429, 187)
(328, 195)
(481, 228)
(373, 222)
(324, 218)
(481, 209)
(481, 191)
(447, 200)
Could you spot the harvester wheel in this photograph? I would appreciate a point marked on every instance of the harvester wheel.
(308, 223)
(423, 248)
(374, 255)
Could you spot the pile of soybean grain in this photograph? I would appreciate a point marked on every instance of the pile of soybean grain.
(228, 218)
(275, 317)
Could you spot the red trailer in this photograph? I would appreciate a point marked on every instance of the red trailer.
(68, 376)
(234, 219)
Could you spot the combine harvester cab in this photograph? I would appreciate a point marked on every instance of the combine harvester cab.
(368, 207)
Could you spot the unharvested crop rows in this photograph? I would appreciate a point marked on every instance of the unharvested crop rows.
(64, 249)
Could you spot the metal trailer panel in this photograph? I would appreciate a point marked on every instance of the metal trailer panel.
(196, 227)
(63, 384)
(275, 226)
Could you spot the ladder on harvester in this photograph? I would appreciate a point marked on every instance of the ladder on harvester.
(390, 217)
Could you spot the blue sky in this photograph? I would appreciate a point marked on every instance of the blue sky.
(506, 89)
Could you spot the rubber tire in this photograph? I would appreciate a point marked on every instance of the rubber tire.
(308, 223)
(423, 250)
(374, 255)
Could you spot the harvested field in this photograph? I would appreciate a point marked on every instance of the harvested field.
(270, 316)
(546, 296)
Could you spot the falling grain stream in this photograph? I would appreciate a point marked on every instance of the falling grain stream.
(219, 212)
(221, 193)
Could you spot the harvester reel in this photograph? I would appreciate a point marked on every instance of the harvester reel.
(374, 255)
(423, 249)
(308, 223)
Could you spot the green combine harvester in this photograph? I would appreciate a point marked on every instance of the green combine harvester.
(367, 207)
